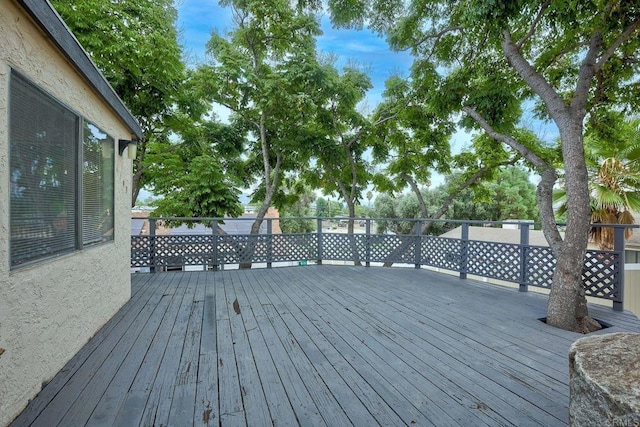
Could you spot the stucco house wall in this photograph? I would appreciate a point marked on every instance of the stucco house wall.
(50, 309)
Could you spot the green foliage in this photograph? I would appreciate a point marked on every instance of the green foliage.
(265, 70)
(201, 189)
(510, 196)
(322, 207)
(339, 164)
(612, 149)
(200, 175)
(410, 139)
(299, 209)
(135, 45)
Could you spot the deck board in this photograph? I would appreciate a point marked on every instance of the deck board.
(318, 345)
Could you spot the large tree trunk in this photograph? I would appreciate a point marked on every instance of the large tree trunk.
(567, 306)
(136, 184)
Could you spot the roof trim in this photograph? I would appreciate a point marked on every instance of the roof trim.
(52, 24)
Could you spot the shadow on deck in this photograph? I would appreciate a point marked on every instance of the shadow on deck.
(319, 345)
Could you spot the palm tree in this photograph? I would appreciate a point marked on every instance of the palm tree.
(613, 162)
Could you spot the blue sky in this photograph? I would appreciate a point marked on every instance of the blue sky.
(197, 18)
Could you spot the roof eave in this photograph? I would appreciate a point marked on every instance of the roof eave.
(43, 13)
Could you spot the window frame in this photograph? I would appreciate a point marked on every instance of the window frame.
(81, 123)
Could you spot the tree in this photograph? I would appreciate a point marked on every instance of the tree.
(298, 211)
(568, 57)
(339, 161)
(135, 46)
(509, 196)
(369, 197)
(199, 176)
(415, 143)
(322, 207)
(612, 151)
(265, 71)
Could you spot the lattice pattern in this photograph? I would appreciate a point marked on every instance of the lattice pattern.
(141, 254)
(236, 249)
(442, 252)
(343, 247)
(179, 250)
(500, 261)
(539, 266)
(393, 248)
(601, 274)
(294, 247)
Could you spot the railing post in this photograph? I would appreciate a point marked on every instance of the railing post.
(418, 244)
(269, 242)
(214, 234)
(524, 253)
(464, 250)
(618, 247)
(152, 245)
(319, 248)
(367, 229)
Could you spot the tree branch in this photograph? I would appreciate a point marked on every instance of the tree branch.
(567, 49)
(437, 36)
(534, 79)
(585, 75)
(626, 35)
(534, 24)
(545, 186)
(265, 151)
(416, 190)
(524, 151)
(544, 194)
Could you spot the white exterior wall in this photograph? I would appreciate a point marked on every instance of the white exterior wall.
(632, 288)
(49, 310)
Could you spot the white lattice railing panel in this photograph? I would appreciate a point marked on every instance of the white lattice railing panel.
(500, 261)
(442, 252)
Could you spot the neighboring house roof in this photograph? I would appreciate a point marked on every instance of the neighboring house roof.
(241, 225)
(498, 235)
(54, 27)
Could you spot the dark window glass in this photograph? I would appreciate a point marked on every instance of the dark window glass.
(62, 186)
(43, 137)
(97, 185)
(631, 256)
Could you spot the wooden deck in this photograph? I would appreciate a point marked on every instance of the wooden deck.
(318, 345)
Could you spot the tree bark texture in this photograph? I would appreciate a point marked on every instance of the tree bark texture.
(567, 306)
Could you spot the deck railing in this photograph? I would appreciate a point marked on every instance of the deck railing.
(521, 263)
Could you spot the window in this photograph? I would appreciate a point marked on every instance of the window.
(61, 172)
(631, 256)
(97, 185)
